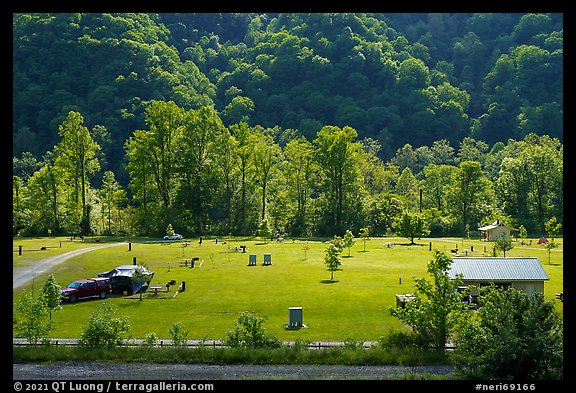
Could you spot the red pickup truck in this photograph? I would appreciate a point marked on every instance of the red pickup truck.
(91, 287)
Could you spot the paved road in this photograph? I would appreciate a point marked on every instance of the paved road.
(147, 371)
(22, 274)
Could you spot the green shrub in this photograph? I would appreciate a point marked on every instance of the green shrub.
(104, 328)
(397, 339)
(150, 339)
(353, 344)
(248, 332)
(179, 335)
(32, 318)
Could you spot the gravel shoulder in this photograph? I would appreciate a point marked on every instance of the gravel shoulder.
(138, 371)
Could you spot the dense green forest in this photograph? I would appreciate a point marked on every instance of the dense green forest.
(285, 124)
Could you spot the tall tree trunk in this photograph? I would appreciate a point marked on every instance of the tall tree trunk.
(263, 199)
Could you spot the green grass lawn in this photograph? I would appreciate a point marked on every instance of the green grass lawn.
(354, 306)
(32, 248)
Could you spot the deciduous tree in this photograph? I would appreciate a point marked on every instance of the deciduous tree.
(411, 225)
(469, 191)
(75, 155)
(348, 240)
(513, 336)
(364, 234)
(266, 154)
(332, 259)
(164, 120)
(336, 152)
(300, 173)
(202, 130)
(51, 293)
(504, 244)
(244, 151)
(436, 310)
(111, 196)
(31, 318)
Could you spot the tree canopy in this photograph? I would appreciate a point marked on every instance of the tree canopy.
(313, 123)
(492, 76)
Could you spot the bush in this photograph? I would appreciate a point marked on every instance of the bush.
(397, 339)
(353, 344)
(150, 339)
(248, 332)
(104, 328)
(179, 335)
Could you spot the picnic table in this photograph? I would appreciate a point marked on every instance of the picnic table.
(155, 289)
(185, 262)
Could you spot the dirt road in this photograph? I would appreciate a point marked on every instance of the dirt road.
(21, 275)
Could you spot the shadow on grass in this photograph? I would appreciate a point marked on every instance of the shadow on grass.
(146, 298)
(410, 244)
(82, 300)
(329, 281)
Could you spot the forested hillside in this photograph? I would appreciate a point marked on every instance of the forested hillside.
(290, 123)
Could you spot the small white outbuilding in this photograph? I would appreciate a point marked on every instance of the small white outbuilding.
(497, 230)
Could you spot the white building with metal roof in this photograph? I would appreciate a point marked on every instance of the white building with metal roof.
(497, 230)
(523, 273)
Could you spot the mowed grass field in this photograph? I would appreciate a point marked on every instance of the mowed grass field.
(353, 306)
